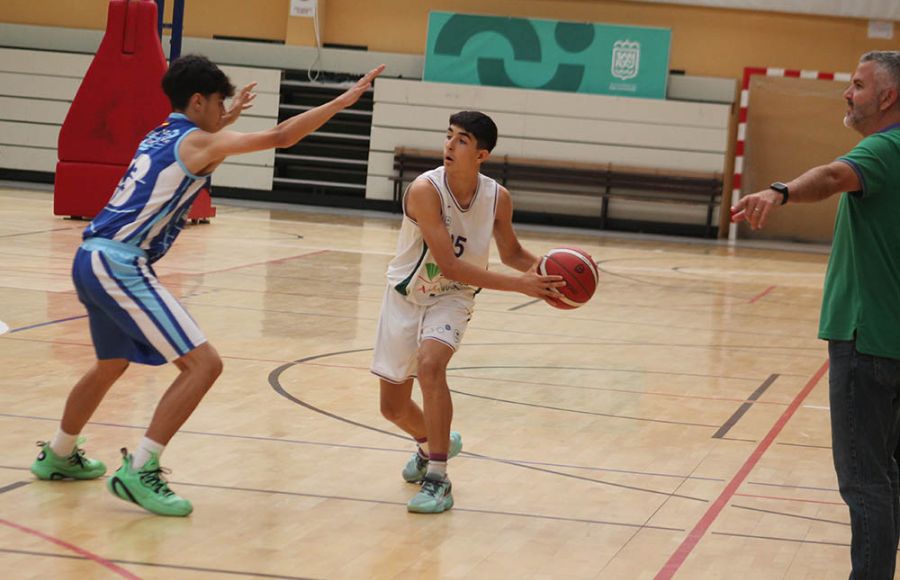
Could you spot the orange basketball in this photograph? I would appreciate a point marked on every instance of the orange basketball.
(579, 271)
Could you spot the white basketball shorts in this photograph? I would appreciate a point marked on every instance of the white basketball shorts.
(404, 325)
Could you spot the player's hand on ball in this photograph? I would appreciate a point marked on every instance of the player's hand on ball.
(537, 286)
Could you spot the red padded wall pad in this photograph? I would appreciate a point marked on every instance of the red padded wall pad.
(119, 101)
(120, 98)
(82, 189)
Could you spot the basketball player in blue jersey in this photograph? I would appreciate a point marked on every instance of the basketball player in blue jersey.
(133, 318)
(450, 215)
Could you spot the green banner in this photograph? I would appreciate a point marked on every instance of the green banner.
(548, 54)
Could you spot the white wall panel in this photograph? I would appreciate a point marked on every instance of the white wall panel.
(37, 88)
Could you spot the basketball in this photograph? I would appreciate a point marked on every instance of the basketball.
(579, 271)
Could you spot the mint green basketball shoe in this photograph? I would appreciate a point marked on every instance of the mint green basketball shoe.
(434, 497)
(147, 488)
(76, 465)
(415, 469)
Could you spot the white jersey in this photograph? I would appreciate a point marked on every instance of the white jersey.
(414, 272)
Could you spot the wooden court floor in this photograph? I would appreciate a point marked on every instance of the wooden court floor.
(676, 426)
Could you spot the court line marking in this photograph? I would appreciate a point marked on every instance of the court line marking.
(696, 534)
(605, 389)
(263, 263)
(403, 503)
(583, 412)
(788, 515)
(781, 498)
(111, 566)
(274, 382)
(777, 539)
(157, 565)
(725, 330)
(794, 486)
(36, 232)
(48, 323)
(455, 508)
(732, 421)
(306, 278)
(14, 485)
(761, 295)
(371, 448)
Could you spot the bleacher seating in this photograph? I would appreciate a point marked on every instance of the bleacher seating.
(37, 87)
(648, 165)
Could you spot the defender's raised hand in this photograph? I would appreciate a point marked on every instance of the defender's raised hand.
(351, 95)
(239, 104)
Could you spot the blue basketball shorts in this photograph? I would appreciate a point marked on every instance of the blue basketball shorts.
(132, 316)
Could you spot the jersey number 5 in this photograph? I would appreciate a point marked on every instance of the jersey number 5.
(459, 245)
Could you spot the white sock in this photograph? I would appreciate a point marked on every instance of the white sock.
(423, 447)
(63, 443)
(142, 453)
(437, 468)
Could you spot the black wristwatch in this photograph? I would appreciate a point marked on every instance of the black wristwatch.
(781, 188)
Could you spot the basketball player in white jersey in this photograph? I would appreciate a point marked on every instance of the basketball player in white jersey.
(450, 215)
(133, 318)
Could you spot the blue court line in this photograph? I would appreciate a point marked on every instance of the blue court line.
(47, 323)
(40, 324)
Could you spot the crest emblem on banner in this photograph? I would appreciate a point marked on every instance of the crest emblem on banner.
(626, 59)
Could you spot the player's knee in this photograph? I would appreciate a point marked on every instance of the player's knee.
(430, 369)
(204, 361)
(214, 365)
(392, 409)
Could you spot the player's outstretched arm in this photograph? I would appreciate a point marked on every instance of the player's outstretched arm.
(815, 185)
(424, 206)
(201, 150)
(511, 251)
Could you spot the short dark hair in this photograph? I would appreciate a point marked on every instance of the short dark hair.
(191, 74)
(479, 125)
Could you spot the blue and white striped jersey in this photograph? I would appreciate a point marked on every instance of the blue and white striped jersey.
(149, 207)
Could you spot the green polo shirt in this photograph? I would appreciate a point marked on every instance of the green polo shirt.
(862, 285)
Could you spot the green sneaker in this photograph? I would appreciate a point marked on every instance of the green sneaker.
(147, 488)
(415, 469)
(49, 465)
(433, 498)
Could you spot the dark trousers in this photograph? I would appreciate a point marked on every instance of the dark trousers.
(864, 391)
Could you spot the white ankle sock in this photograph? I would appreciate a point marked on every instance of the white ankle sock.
(63, 443)
(142, 453)
(437, 468)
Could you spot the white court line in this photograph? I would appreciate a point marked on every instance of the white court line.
(713, 272)
(818, 407)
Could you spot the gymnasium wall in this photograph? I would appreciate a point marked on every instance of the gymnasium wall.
(794, 123)
(706, 41)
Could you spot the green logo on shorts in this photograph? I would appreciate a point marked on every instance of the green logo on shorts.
(433, 271)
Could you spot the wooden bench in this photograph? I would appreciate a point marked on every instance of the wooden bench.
(593, 181)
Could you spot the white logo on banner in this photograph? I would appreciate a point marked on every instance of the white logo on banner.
(626, 59)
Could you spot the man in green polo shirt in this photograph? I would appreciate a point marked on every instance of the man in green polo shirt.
(861, 307)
